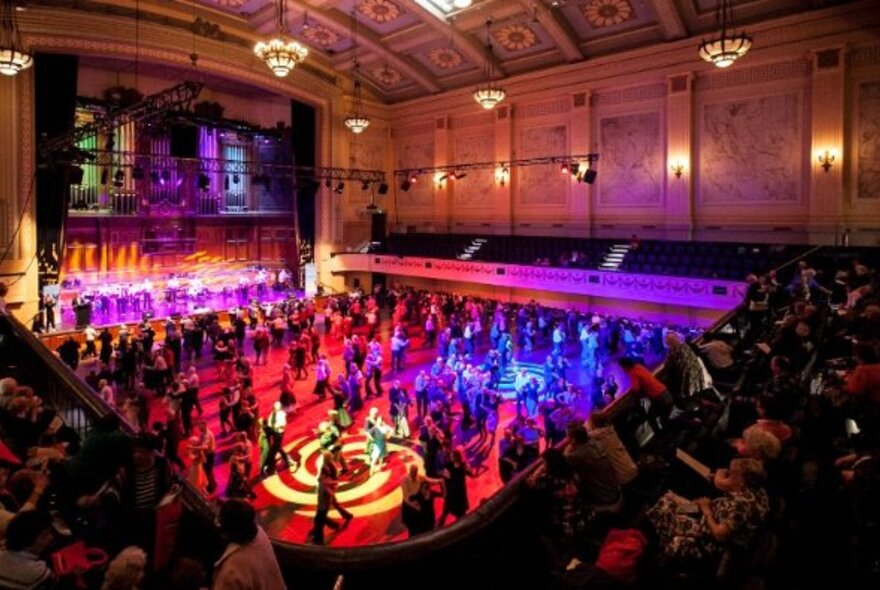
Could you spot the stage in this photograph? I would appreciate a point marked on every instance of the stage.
(198, 284)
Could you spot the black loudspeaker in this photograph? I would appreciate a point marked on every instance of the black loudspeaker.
(184, 141)
(383, 189)
(590, 176)
(75, 175)
(377, 227)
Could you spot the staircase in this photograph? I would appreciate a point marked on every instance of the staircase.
(471, 249)
(614, 257)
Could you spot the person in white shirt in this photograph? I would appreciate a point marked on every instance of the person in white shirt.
(558, 339)
(274, 428)
(322, 371)
(91, 334)
(398, 346)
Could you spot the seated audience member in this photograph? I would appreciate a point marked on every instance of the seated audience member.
(126, 571)
(28, 536)
(248, 563)
(703, 528)
(864, 381)
(719, 356)
(602, 432)
(593, 468)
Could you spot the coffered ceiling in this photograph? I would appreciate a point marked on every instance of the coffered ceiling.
(408, 48)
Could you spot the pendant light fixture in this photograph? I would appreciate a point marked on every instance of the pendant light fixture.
(14, 57)
(281, 55)
(729, 46)
(357, 121)
(488, 94)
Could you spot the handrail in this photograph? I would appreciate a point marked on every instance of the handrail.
(621, 404)
(93, 405)
(83, 393)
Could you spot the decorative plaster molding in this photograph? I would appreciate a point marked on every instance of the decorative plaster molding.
(631, 94)
(692, 292)
(557, 106)
(754, 75)
(864, 57)
(476, 120)
(424, 128)
(167, 56)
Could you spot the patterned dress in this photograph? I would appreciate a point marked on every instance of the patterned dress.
(685, 534)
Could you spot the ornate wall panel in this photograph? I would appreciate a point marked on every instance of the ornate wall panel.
(474, 190)
(416, 152)
(631, 169)
(365, 155)
(542, 185)
(868, 137)
(751, 150)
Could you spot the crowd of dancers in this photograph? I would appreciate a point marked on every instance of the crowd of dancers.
(449, 412)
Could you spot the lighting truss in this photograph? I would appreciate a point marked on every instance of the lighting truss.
(453, 167)
(149, 162)
(176, 98)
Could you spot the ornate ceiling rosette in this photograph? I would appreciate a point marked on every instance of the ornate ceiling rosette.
(379, 11)
(386, 76)
(320, 35)
(445, 58)
(607, 13)
(515, 37)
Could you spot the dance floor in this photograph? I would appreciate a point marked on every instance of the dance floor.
(286, 501)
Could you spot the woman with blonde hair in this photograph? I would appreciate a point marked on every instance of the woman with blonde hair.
(126, 570)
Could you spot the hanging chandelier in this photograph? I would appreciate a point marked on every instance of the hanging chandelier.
(281, 55)
(488, 94)
(357, 121)
(729, 46)
(14, 58)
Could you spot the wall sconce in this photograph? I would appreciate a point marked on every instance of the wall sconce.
(677, 168)
(502, 175)
(826, 159)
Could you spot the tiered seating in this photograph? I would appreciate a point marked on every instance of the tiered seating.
(708, 260)
(729, 261)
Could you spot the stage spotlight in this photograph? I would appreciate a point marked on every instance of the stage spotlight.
(119, 178)
(444, 177)
(235, 179)
(460, 175)
(589, 176)
(104, 175)
(328, 183)
(166, 176)
(75, 175)
(575, 168)
(404, 186)
(204, 181)
(137, 173)
(413, 179)
(564, 169)
(383, 189)
(339, 188)
(365, 185)
(154, 177)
